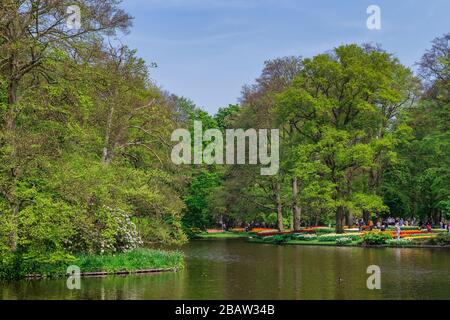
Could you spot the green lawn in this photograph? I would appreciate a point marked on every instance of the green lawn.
(224, 235)
(130, 262)
(302, 242)
(139, 259)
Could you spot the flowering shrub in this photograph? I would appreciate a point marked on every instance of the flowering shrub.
(333, 237)
(110, 230)
(398, 242)
(120, 234)
(376, 238)
(343, 241)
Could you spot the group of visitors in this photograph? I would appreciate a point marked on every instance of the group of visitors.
(383, 224)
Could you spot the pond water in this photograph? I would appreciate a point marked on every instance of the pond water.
(235, 269)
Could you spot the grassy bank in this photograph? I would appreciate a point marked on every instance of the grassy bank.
(334, 244)
(140, 259)
(300, 242)
(372, 239)
(223, 235)
(130, 262)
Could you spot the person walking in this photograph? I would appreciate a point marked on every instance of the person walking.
(398, 230)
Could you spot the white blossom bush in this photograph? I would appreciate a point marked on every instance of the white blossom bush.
(121, 233)
(106, 230)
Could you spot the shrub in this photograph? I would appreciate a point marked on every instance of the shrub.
(192, 233)
(343, 241)
(443, 239)
(439, 230)
(106, 230)
(324, 230)
(353, 237)
(398, 242)
(279, 238)
(376, 238)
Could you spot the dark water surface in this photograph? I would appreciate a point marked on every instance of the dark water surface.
(235, 269)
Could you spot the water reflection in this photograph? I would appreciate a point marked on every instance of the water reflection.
(234, 269)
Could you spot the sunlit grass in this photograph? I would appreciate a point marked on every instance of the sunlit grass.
(139, 259)
(224, 235)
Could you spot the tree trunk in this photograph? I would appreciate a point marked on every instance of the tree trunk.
(12, 101)
(296, 208)
(279, 207)
(339, 219)
(346, 218)
(350, 218)
(366, 216)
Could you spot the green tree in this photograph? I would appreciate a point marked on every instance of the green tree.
(335, 105)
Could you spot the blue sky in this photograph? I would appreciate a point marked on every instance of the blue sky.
(206, 50)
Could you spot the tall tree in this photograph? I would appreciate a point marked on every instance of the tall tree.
(334, 105)
(31, 34)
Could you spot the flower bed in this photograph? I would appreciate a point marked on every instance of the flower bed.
(305, 237)
(343, 241)
(334, 237)
(408, 233)
(403, 233)
(271, 234)
(214, 231)
(376, 238)
(260, 230)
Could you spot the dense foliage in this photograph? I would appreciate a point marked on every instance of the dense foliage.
(85, 139)
(85, 142)
(362, 136)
